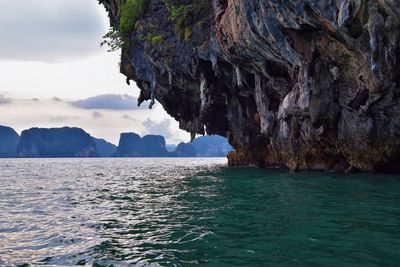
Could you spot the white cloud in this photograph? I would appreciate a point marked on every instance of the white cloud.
(160, 128)
(73, 80)
(51, 48)
(4, 100)
(59, 118)
(108, 101)
(78, 73)
(22, 114)
(49, 30)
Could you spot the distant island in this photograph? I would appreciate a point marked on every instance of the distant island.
(57, 142)
(104, 148)
(132, 145)
(9, 140)
(70, 142)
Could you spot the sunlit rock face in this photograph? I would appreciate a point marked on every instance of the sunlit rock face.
(302, 84)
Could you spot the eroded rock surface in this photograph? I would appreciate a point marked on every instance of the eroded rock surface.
(302, 84)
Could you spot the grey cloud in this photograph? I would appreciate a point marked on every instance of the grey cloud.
(162, 128)
(127, 117)
(97, 114)
(4, 100)
(56, 99)
(63, 118)
(49, 30)
(109, 101)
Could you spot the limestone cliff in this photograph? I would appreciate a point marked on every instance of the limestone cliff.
(104, 149)
(302, 84)
(9, 139)
(132, 145)
(211, 146)
(185, 150)
(56, 143)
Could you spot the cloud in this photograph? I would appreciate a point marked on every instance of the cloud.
(56, 99)
(49, 30)
(96, 114)
(63, 118)
(109, 101)
(23, 113)
(127, 117)
(161, 128)
(4, 100)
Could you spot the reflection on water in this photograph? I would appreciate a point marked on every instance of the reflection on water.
(182, 212)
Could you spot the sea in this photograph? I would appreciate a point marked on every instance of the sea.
(193, 212)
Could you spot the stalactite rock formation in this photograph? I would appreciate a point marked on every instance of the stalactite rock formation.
(302, 84)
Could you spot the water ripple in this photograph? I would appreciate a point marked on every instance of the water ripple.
(183, 212)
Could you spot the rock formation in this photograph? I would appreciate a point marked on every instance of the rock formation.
(171, 147)
(132, 145)
(8, 142)
(212, 146)
(56, 143)
(302, 84)
(104, 148)
(154, 146)
(185, 150)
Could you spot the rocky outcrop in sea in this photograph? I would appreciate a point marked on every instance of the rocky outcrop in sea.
(185, 150)
(212, 146)
(56, 143)
(104, 148)
(9, 139)
(132, 145)
(304, 84)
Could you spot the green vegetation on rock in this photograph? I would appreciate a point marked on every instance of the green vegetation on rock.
(158, 39)
(187, 33)
(130, 13)
(151, 38)
(177, 11)
(113, 40)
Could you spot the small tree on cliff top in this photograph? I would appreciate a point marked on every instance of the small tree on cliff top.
(130, 12)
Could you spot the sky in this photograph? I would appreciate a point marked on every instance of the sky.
(53, 73)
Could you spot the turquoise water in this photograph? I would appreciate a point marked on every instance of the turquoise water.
(189, 212)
